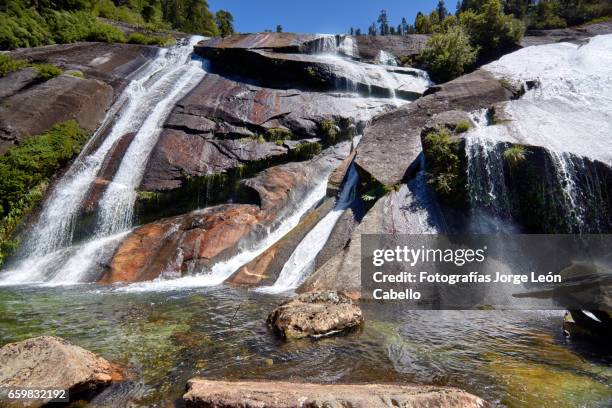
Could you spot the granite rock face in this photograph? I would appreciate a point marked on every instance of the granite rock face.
(275, 394)
(51, 362)
(391, 144)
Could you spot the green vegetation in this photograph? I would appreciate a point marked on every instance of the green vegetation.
(448, 54)
(275, 134)
(462, 126)
(444, 166)
(9, 64)
(47, 71)
(29, 23)
(77, 74)
(140, 38)
(25, 171)
(515, 155)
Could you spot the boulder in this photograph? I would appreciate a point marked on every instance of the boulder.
(51, 362)
(391, 144)
(171, 246)
(315, 314)
(278, 394)
(62, 98)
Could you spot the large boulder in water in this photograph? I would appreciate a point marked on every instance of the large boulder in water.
(315, 314)
(276, 394)
(369, 46)
(53, 363)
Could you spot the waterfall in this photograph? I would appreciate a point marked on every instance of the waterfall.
(141, 108)
(302, 260)
(386, 58)
(348, 47)
(117, 204)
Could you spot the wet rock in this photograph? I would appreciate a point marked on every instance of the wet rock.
(171, 246)
(277, 394)
(391, 144)
(265, 269)
(315, 314)
(194, 241)
(62, 98)
(51, 362)
(292, 68)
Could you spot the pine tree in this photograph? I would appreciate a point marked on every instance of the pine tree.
(442, 11)
(279, 28)
(383, 22)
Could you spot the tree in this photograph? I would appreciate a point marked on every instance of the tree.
(358, 31)
(352, 31)
(279, 28)
(372, 29)
(442, 11)
(392, 30)
(448, 55)
(490, 29)
(225, 22)
(383, 22)
(400, 30)
(422, 24)
(404, 25)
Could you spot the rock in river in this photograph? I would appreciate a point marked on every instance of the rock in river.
(252, 394)
(315, 314)
(51, 362)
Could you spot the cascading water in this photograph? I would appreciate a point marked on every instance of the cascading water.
(386, 58)
(301, 262)
(141, 108)
(348, 47)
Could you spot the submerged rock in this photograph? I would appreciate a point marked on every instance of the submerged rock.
(278, 394)
(315, 314)
(53, 363)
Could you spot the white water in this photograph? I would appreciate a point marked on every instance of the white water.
(64, 266)
(348, 47)
(141, 108)
(386, 58)
(301, 262)
(117, 205)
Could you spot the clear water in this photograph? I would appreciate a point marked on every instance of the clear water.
(516, 359)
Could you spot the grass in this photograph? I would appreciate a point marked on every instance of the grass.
(462, 126)
(47, 71)
(145, 39)
(9, 64)
(515, 155)
(25, 171)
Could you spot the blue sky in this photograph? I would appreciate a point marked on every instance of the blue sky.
(319, 16)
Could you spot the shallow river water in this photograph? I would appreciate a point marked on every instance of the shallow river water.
(512, 358)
